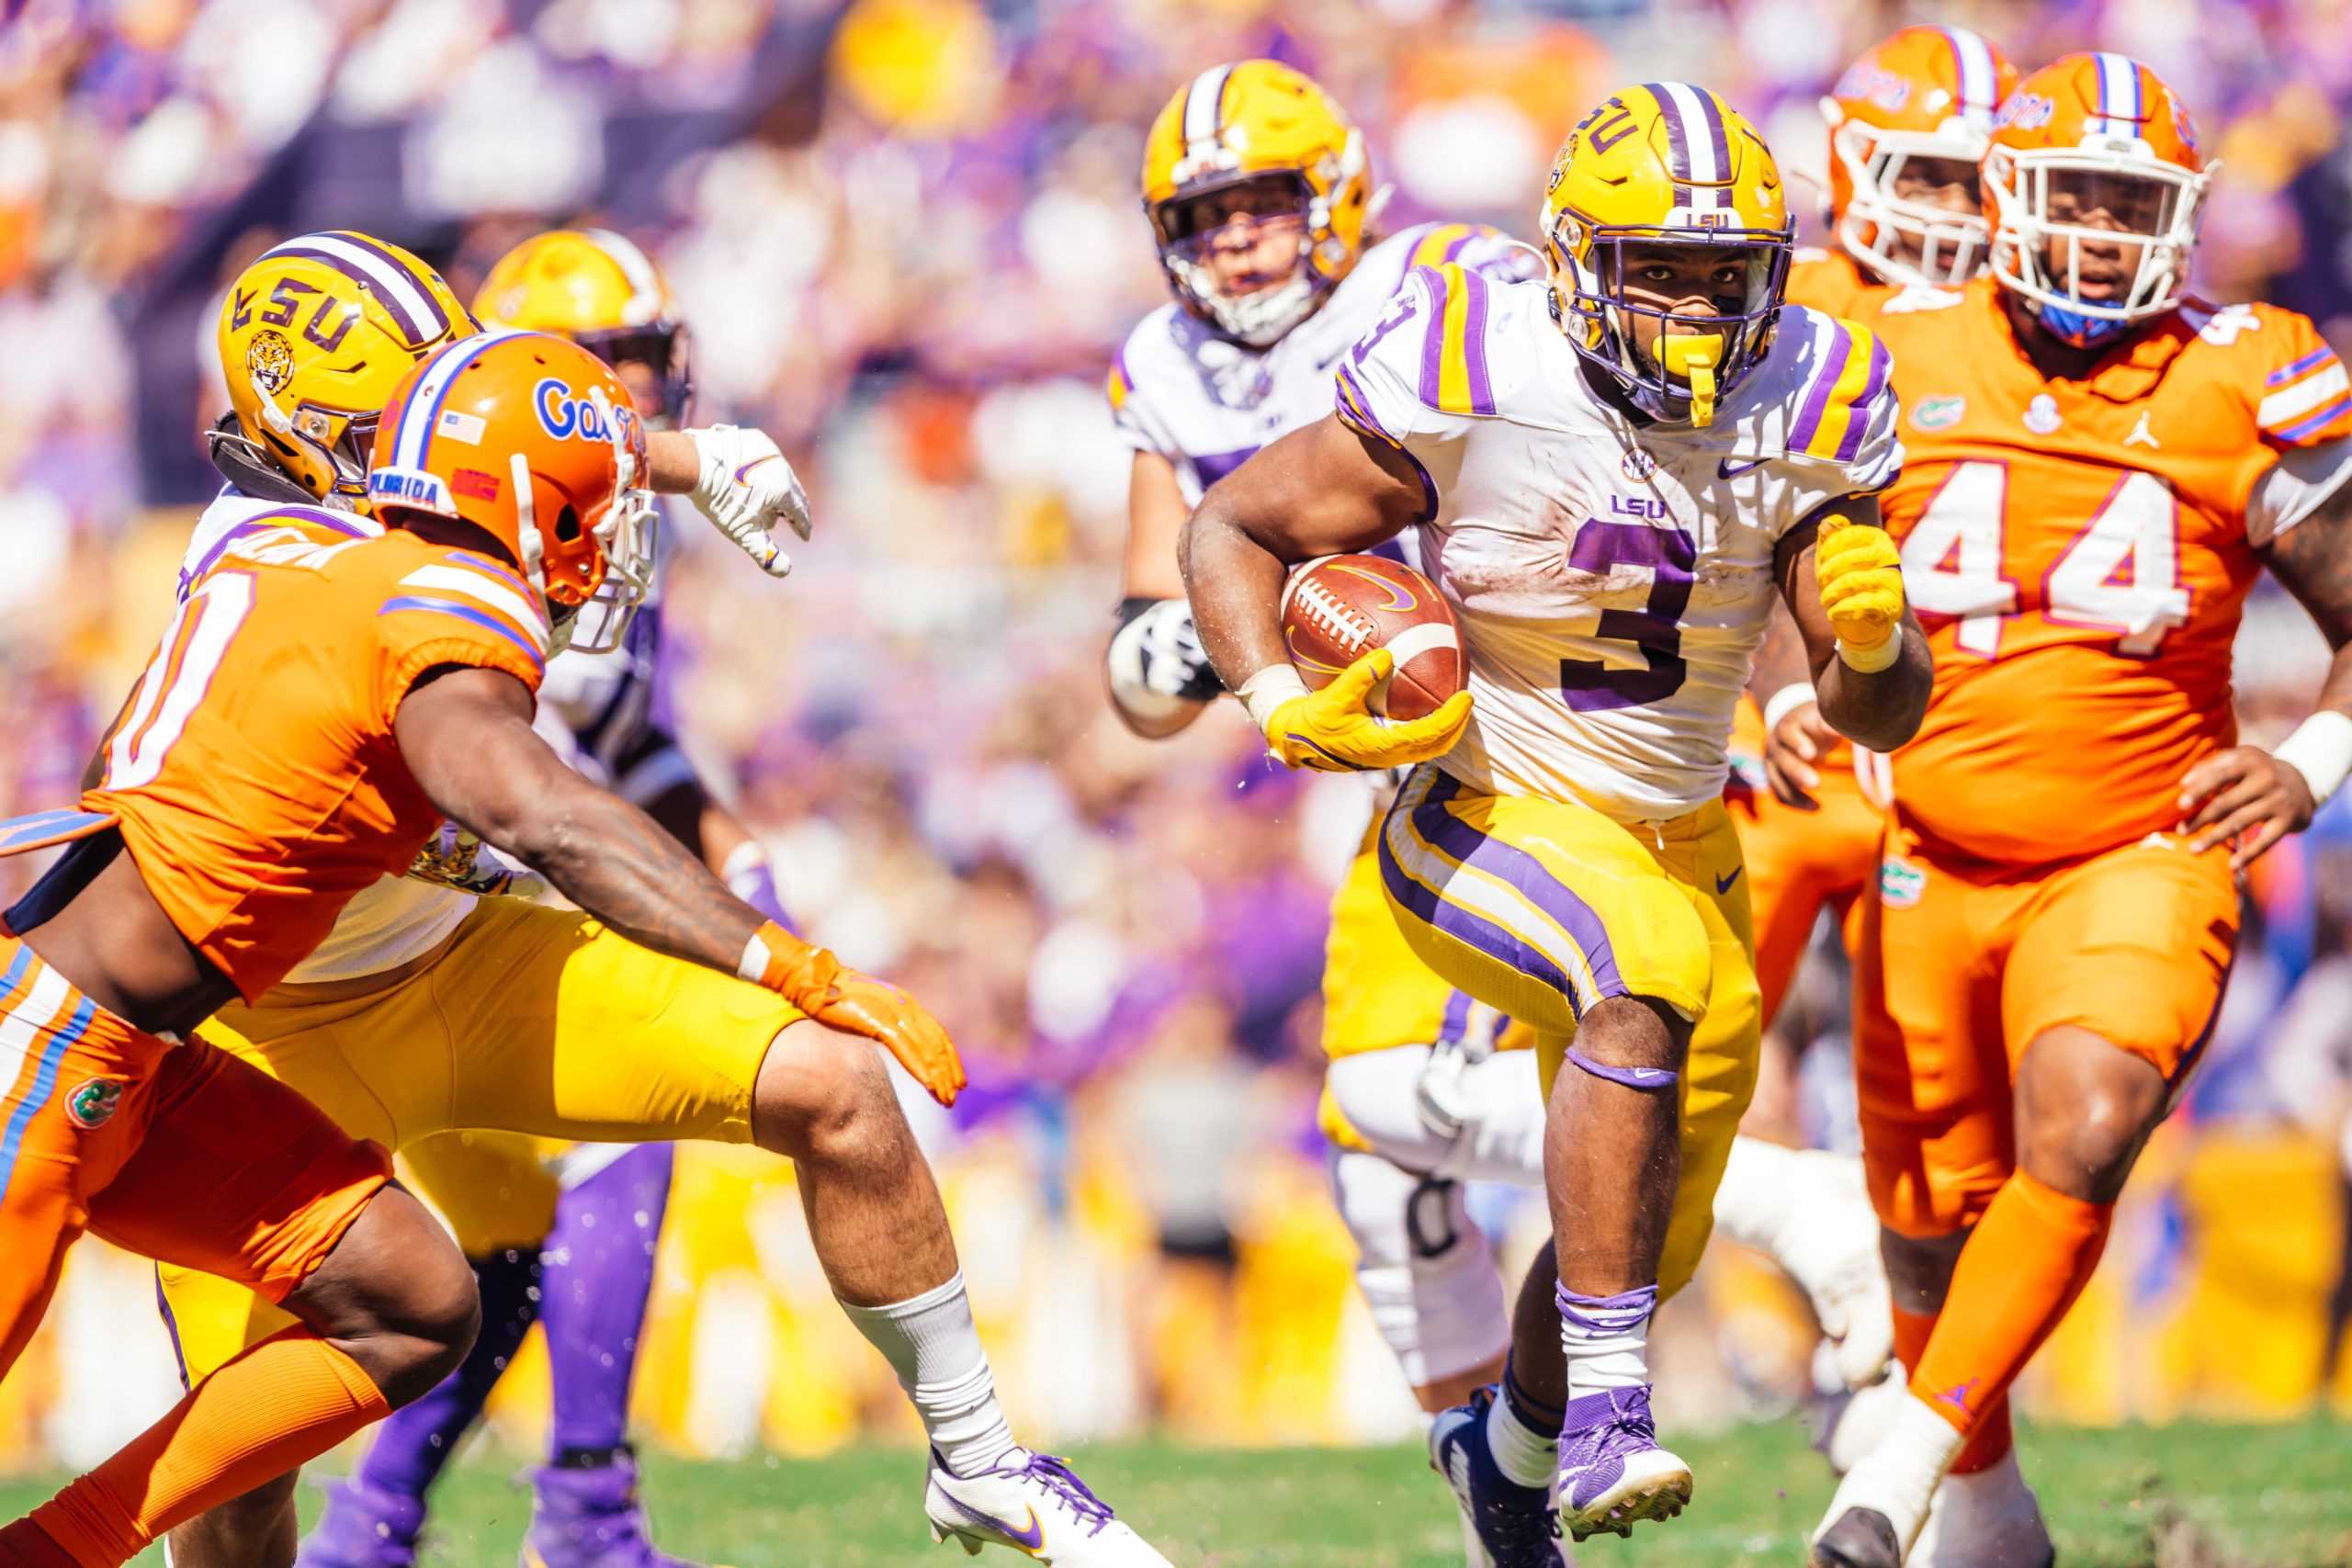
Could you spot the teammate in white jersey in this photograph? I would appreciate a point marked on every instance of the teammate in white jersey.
(1615, 475)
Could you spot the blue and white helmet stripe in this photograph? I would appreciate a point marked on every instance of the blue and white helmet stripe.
(1980, 89)
(2118, 95)
(414, 432)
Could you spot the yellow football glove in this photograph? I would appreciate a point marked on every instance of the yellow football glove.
(1334, 731)
(1860, 579)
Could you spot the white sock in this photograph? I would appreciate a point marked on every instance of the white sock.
(1899, 1477)
(930, 1342)
(1606, 1339)
(1522, 1453)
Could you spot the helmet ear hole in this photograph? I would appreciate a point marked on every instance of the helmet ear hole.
(567, 526)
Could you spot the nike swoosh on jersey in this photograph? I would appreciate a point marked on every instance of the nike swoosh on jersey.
(1722, 884)
(1731, 470)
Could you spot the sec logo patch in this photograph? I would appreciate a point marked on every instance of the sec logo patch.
(93, 1105)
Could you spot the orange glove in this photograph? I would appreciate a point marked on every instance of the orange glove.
(813, 980)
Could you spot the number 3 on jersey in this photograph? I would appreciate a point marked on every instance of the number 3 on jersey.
(2118, 573)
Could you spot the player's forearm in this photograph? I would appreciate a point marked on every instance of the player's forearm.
(1779, 661)
(621, 866)
(1236, 586)
(672, 466)
(1880, 709)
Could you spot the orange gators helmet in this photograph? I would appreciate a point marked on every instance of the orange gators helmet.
(533, 440)
(1923, 98)
(2095, 183)
(1256, 122)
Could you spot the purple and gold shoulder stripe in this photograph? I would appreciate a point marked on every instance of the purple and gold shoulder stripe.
(1832, 414)
(1454, 378)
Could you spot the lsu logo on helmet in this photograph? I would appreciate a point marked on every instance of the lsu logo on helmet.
(1656, 169)
(314, 336)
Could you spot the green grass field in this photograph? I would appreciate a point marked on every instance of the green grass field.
(2191, 1495)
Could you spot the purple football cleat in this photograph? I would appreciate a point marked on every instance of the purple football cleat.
(1612, 1473)
(1514, 1525)
(588, 1516)
(364, 1527)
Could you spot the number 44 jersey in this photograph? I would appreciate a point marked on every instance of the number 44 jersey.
(2079, 552)
(1613, 577)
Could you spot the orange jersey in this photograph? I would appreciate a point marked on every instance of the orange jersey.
(2079, 552)
(255, 769)
(1829, 281)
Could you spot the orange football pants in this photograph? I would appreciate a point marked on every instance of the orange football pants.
(175, 1152)
(1960, 963)
(1799, 862)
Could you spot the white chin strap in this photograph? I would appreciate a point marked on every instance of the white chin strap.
(526, 540)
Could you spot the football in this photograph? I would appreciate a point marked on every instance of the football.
(1336, 609)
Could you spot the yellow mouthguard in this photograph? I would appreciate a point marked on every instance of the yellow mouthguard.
(1693, 358)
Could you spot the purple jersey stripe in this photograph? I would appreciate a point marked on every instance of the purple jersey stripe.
(1816, 401)
(1857, 425)
(1214, 466)
(1433, 335)
(1473, 345)
(464, 613)
(482, 564)
(2311, 361)
(1453, 252)
(2317, 422)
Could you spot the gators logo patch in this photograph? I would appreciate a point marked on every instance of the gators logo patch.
(93, 1105)
(1900, 883)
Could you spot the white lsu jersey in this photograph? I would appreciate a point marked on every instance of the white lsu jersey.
(399, 918)
(1613, 577)
(1206, 403)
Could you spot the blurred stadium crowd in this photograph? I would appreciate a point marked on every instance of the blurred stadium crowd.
(907, 235)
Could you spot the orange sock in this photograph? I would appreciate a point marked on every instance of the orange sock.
(288, 1399)
(2032, 1253)
(1992, 1437)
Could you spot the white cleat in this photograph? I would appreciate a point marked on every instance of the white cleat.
(1990, 1520)
(1036, 1505)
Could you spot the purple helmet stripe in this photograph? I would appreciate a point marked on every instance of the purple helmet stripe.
(1719, 143)
(1473, 345)
(1816, 401)
(1433, 335)
(409, 325)
(1850, 443)
(1678, 139)
(441, 321)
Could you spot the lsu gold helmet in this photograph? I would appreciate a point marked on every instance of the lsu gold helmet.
(1257, 132)
(600, 290)
(314, 337)
(1657, 169)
